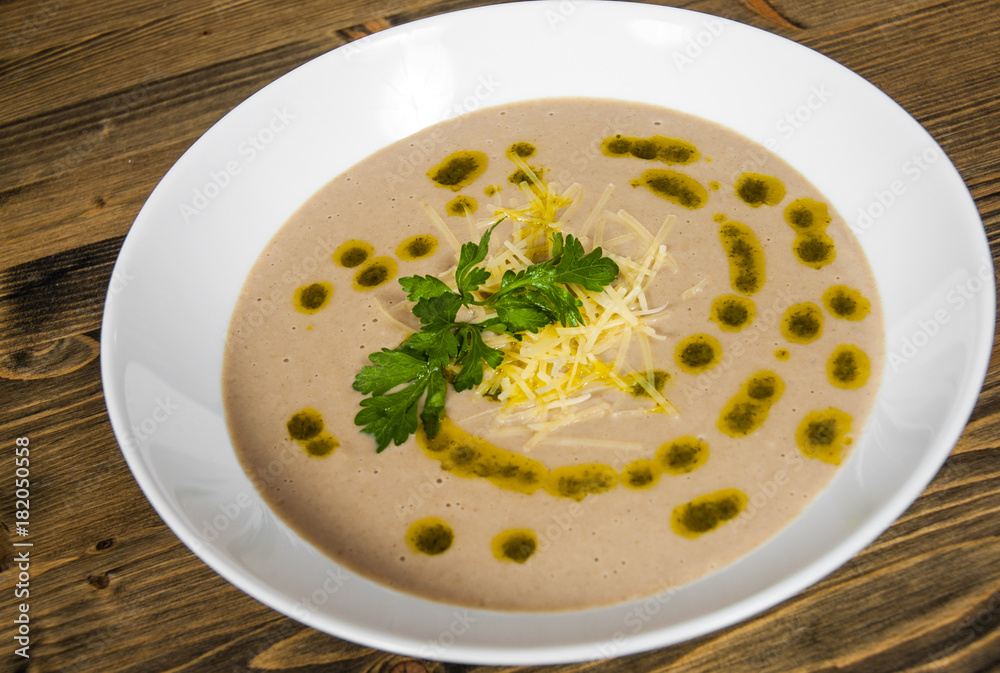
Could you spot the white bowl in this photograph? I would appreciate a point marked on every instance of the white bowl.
(186, 256)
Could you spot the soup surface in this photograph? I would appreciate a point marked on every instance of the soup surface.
(714, 389)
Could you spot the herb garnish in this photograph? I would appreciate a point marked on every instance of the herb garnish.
(526, 301)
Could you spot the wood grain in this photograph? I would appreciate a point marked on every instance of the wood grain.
(97, 101)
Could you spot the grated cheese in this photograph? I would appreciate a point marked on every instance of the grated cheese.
(549, 380)
(694, 289)
(445, 231)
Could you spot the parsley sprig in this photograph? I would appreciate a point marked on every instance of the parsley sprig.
(526, 301)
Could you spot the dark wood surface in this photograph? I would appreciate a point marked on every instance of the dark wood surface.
(97, 101)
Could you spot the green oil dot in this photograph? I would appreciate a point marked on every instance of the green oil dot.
(417, 247)
(749, 408)
(352, 254)
(746, 257)
(376, 272)
(322, 446)
(516, 545)
(806, 214)
(659, 380)
(312, 297)
(461, 206)
(673, 186)
(732, 312)
(698, 353)
(822, 435)
(705, 514)
(641, 474)
(802, 323)
(430, 536)
(519, 176)
(848, 367)
(757, 190)
(458, 169)
(521, 150)
(682, 455)
(305, 424)
(846, 303)
(579, 481)
(655, 148)
(809, 218)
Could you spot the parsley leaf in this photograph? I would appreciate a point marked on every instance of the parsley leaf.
(527, 301)
(392, 417)
(473, 353)
(570, 266)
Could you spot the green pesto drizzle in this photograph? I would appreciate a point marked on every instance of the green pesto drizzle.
(698, 353)
(660, 379)
(461, 205)
(809, 218)
(655, 148)
(417, 247)
(458, 169)
(802, 323)
(306, 427)
(848, 367)
(732, 312)
(822, 435)
(376, 272)
(748, 409)
(675, 187)
(521, 150)
(846, 303)
(352, 254)
(430, 536)
(313, 297)
(516, 545)
(746, 257)
(708, 512)
(757, 190)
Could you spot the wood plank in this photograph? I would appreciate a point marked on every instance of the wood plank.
(97, 102)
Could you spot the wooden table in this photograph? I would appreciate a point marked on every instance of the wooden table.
(98, 100)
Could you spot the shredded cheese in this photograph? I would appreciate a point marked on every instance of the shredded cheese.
(392, 319)
(445, 231)
(551, 379)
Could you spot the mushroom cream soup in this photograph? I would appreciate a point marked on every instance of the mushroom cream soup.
(713, 385)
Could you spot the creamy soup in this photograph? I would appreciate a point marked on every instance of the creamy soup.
(716, 386)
